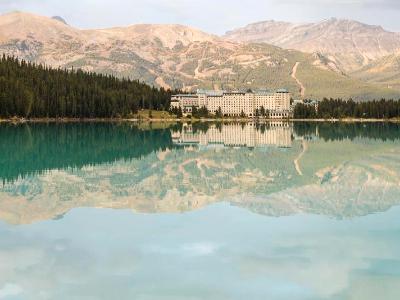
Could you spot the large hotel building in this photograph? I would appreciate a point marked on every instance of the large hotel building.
(277, 103)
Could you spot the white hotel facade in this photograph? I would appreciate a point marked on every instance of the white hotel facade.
(277, 103)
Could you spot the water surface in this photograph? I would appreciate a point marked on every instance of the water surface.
(203, 211)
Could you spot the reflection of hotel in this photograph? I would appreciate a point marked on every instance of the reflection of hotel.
(277, 103)
(277, 134)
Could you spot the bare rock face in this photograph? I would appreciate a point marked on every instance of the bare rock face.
(352, 44)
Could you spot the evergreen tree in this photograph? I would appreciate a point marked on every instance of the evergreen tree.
(338, 108)
(179, 114)
(35, 91)
(195, 112)
(218, 113)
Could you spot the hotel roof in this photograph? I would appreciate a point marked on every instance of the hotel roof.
(214, 93)
(185, 95)
(282, 91)
(210, 92)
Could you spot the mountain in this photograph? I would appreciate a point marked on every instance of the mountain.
(350, 44)
(384, 71)
(180, 57)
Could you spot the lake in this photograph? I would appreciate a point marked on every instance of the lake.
(200, 211)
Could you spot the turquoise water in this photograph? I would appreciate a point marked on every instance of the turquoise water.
(209, 211)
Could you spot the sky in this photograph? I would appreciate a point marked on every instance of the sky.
(214, 16)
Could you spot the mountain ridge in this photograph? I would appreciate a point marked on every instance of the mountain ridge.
(178, 56)
(350, 43)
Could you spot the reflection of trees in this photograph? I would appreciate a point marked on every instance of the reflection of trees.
(35, 148)
(201, 127)
(176, 127)
(305, 129)
(339, 131)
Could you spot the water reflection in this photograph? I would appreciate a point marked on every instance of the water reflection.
(220, 252)
(288, 211)
(274, 169)
(237, 135)
(32, 149)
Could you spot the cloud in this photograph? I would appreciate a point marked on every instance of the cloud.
(199, 249)
(9, 290)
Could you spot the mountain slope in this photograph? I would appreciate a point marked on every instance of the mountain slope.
(177, 56)
(384, 71)
(350, 44)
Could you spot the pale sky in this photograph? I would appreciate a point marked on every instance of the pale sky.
(214, 16)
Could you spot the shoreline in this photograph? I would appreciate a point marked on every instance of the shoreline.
(189, 120)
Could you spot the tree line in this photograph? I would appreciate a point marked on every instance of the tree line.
(338, 108)
(32, 90)
(203, 112)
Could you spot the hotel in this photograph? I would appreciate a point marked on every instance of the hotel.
(233, 104)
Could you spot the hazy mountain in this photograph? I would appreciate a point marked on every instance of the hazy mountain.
(350, 44)
(178, 56)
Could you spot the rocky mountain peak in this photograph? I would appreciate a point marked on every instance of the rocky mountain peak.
(167, 35)
(352, 43)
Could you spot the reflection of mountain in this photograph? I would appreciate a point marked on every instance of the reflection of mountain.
(338, 178)
(371, 184)
(169, 181)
